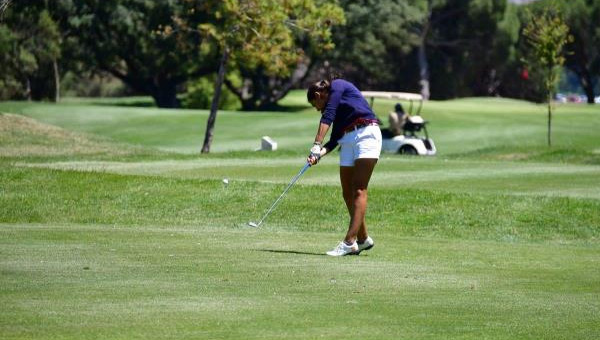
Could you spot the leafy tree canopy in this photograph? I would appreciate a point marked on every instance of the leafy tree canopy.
(583, 57)
(268, 40)
(377, 36)
(120, 37)
(30, 42)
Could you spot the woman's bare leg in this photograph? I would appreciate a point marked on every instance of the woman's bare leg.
(355, 181)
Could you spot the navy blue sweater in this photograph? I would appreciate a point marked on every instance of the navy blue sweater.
(345, 105)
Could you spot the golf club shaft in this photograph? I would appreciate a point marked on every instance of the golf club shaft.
(306, 166)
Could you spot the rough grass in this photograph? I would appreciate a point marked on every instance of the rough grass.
(111, 199)
(21, 136)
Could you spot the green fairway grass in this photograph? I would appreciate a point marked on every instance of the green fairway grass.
(112, 225)
(94, 281)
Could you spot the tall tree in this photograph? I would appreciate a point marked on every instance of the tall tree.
(461, 54)
(442, 48)
(423, 32)
(582, 17)
(298, 32)
(372, 46)
(261, 35)
(547, 33)
(120, 37)
(30, 45)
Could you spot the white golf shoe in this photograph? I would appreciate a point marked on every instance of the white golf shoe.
(366, 245)
(343, 249)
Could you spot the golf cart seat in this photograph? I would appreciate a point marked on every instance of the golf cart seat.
(414, 124)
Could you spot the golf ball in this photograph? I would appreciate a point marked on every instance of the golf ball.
(225, 181)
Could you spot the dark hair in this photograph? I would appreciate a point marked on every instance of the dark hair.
(398, 108)
(321, 86)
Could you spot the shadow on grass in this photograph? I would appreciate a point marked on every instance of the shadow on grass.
(288, 108)
(138, 103)
(290, 252)
(145, 103)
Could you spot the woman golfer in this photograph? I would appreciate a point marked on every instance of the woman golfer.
(355, 129)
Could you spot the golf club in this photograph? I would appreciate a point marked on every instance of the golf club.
(302, 171)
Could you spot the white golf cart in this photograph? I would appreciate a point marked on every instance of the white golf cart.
(406, 141)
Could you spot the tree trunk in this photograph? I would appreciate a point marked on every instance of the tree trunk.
(162, 89)
(3, 5)
(585, 79)
(549, 118)
(423, 72)
(579, 62)
(165, 94)
(56, 82)
(212, 117)
(28, 90)
(422, 55)
(262, 92)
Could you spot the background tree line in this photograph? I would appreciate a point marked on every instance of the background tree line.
(167, 49)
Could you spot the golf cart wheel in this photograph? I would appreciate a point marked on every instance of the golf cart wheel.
(407, 150)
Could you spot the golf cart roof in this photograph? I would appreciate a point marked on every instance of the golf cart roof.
(410, 97)
(392, 95)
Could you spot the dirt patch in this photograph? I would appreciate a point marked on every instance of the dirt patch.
(24, 136)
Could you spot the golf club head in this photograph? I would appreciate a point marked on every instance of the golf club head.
(253, 225)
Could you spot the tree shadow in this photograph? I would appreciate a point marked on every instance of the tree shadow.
(135, 103)
(291, 252)
(287, 108)
(290, 108)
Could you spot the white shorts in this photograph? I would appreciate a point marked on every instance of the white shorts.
(360, 143)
